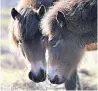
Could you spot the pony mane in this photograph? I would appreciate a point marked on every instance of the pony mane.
(26, 3)
(70, 8)
(21, 4)
(49, 17)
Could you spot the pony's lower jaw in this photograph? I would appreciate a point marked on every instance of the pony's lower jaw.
(57, 80)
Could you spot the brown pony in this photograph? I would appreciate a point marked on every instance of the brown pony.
(70, 26)
(25, 33)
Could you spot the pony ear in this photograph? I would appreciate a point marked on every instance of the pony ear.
(61, 19)
(41, 11)
(15, 14)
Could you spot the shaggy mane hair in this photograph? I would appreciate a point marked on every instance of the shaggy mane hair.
(71, 10)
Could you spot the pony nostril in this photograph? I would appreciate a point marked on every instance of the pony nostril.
(42, 74)
(40, 77)
(55, 80)
(30, 75)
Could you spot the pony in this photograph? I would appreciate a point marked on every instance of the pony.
(70, 26)
(24, 33)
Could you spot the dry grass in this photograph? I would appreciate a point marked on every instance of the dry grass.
(16, 79)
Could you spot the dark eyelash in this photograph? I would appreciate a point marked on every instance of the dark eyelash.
(53, 42)
(37, 16)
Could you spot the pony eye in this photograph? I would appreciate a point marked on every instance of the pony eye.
(20, 46)
(53, 42)
(20, 41)
(43, 37)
